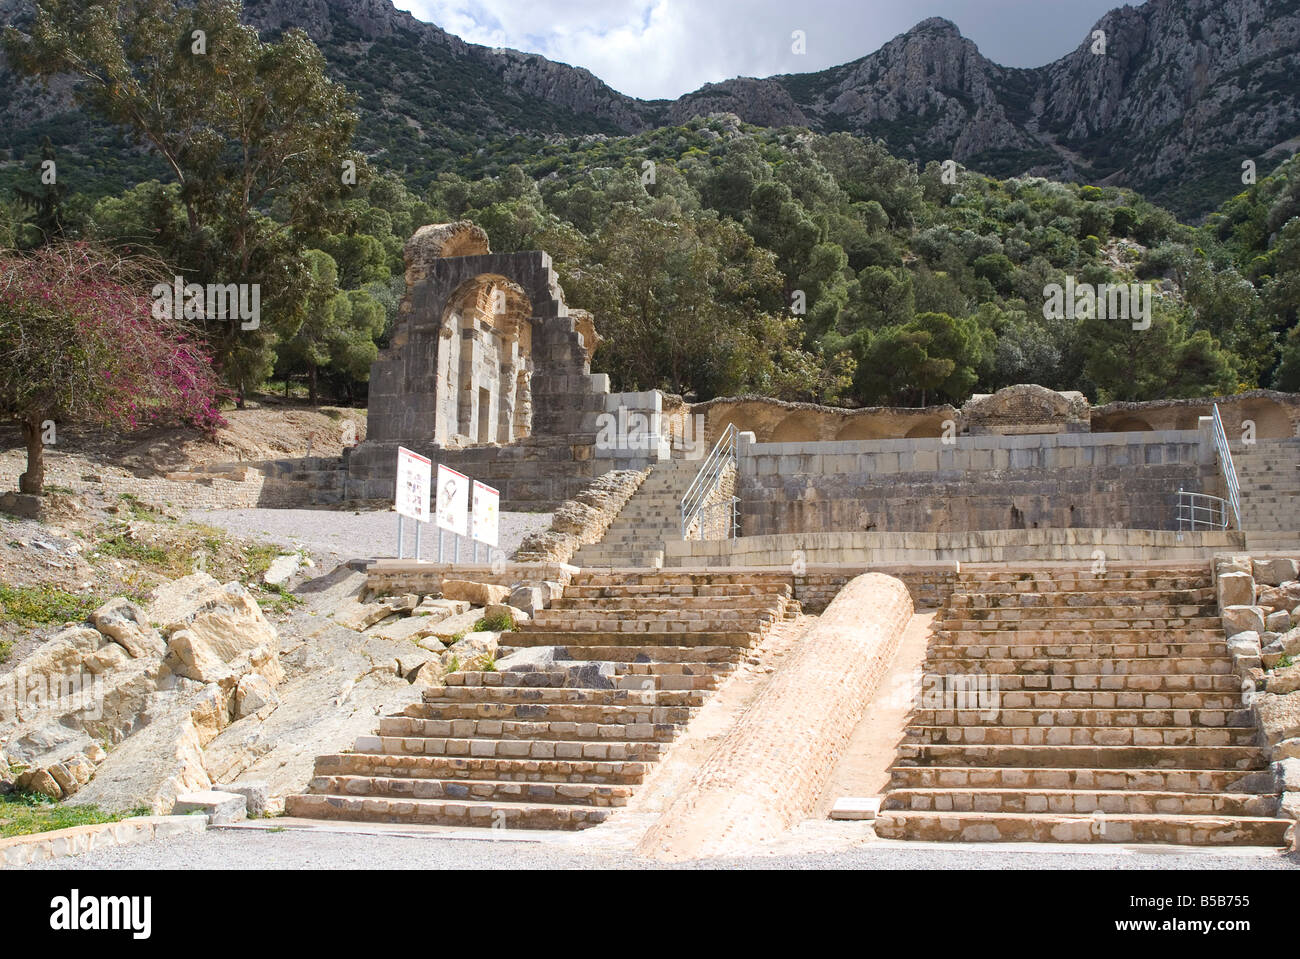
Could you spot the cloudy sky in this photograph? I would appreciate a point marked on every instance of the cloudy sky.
(664, 48)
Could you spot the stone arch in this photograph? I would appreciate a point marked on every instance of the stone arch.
(867, 427)
(1271, 420)
(802, 426)
(1189, 419)
(931, 427)
(1128, 424)
(485, 362)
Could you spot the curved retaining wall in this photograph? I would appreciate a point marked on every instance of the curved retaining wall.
(770, 769)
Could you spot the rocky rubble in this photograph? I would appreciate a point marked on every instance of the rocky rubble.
(1260, 604)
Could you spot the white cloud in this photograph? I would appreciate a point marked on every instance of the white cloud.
(664, 48)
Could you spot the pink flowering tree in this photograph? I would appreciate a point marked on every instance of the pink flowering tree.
(79, 343)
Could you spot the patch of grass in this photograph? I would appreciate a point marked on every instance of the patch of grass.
(1284, 662)
(23, 813)
(137, 510)
(65, 490)
(29, 606)
(487, 663)
(6, 647)
(119, 546)
(277, 599)
(500, 623)
(454, 665)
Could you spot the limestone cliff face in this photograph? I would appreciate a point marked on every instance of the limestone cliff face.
(1185, 91)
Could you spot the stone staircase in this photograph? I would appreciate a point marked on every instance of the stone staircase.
(652, 515)
(564, 744)
(1269, 472)
(1081, 708)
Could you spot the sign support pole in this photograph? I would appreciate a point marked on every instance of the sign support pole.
(400, 538)
(419, 527)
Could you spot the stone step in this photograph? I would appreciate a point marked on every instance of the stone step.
(575, 604)
(459, 767)
(1124, 801)
(407, 728)
(661, 654)
(597, 751)
(580, 589)
(1123, 828)
(1214, 718)
(1091, 757)
(1059, 666)
(647, 620)
(477, 790)
(1130, 699)
(445, 713)
(1083, 582)
(1023, 777)
(607, 638)
(1114, 682)
(432, 812)
(1007, 735)
(1083, 617)
(1064, 598)
(1074, 637)
(1032, 624)
(984, 652)
(652, 682)
(453, 695)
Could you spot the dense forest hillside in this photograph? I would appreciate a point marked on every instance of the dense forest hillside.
(718, 256)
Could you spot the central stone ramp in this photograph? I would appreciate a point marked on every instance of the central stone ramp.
(563, 744)
(1059, 706)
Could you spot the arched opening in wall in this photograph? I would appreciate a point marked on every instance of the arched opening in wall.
(803, 426)
(485, 366)
(929, 428)
(1189, 419)
(1271, 421)
(866, 428)
(1125, 424)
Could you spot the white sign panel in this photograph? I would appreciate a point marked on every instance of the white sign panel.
(487, 513)
(414, 473)
(453, 501)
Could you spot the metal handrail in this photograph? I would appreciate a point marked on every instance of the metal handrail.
(710, 474)
(1197, 511)
(1226, 466)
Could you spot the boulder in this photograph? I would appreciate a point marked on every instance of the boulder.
(453, 626)
(473, 646)
(428, 673)
(1278, 622)
(1287, 749)
(1285, 596)
(1236, 589)
(227, 625)
(221, 808)
(1278, 716)
(39, 781)
(1240, 619)
(405, 603)
(1286, 680)
(1275, 572)
(1289, 807)
(109, 657)
(431, 644)
(282, 569)
(358, 616)
(126, 624)
(172, 602)
(1287, 773)
(497, 611)
(440, 608)
(253, 694)
(478, 594)
(412, 628)
(529, 599)
(210, 713)
(257, 796)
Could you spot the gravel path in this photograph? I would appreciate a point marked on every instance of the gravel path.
(336, 536)
(292, 849)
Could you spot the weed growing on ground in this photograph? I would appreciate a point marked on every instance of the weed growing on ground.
(499, 623)
(24, 813)
(29, 606)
